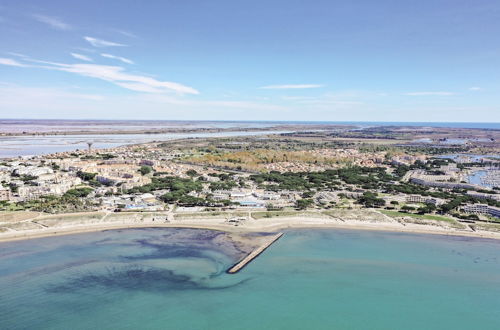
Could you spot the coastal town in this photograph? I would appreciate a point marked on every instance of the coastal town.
(247, 165)
(278, 176)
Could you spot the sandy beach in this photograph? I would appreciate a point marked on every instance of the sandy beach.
(20, 225)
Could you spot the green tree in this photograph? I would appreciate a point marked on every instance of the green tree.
(86, 176)
(191, 173)
(78, 192)
(145, 169)
(303, 204)
(370, 199)
(407, 208)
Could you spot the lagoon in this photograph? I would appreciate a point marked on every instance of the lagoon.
(31, 145)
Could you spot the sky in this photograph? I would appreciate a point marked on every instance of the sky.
(363, 60)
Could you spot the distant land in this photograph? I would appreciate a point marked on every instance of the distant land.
(19, 126)
(28, 137)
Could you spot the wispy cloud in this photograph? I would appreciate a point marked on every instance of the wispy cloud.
(138, 87)
(297, 86)
(119, 58)
(81, 57)
(53, 22)
(475, 88)
(297, 98)
(11, 62)
(87, 50)
(120, 77)
(326, 100)
(102, 43)
(46, 100)
(54, 102)
(113, 74)
(125, 33)
(429, 93)
(213, 104)
(17, 55)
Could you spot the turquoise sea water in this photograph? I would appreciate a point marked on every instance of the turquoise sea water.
(309, 279)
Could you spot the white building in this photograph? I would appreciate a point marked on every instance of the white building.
(4, 194)
(423, 199)
(482, 209)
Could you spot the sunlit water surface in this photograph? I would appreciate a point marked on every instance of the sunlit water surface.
(309, 279)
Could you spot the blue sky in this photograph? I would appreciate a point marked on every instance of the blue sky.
(251, 60)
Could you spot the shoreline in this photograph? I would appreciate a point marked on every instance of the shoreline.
(261, 225)
(153, 130)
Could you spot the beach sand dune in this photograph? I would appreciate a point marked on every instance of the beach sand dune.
(27, 225)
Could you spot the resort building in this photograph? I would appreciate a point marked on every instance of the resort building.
(251, 203)
(4, 194)
(423, 199)
(495, 197)
(482, 209)
(267, 195)
(447, 185)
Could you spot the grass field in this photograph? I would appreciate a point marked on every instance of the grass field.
(292, 213)
(17, 216)
(488, 226)
(214, 214)
(395, 214)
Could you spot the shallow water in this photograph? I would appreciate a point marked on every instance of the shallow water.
(30, 145)
(309, 279)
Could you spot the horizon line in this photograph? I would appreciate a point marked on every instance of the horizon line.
(256, 121)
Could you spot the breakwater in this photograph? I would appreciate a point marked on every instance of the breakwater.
(254, 254)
